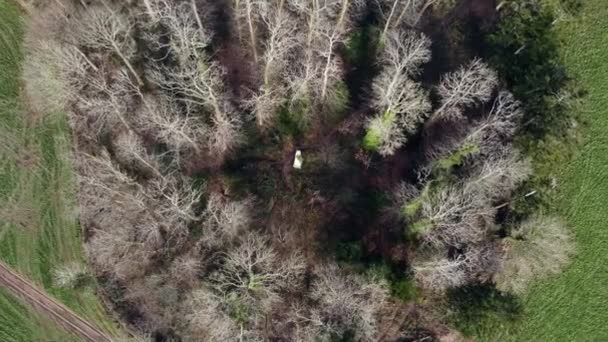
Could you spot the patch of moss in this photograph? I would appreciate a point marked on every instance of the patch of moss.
(361, 45)
(337, 106)
(402, 287)
(290, 123)
(373, 137)
(421, 226)
(371, 141)
(457, 158)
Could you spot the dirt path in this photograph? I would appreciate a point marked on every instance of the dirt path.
(23, 288)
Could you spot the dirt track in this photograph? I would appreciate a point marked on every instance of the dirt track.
(23, 288)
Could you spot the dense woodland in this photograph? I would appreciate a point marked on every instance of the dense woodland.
(417, 126)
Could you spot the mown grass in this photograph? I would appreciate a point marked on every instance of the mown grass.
(573, 306)
(39, 230)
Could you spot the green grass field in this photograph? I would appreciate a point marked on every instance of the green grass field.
(574, 305)
(39, 230)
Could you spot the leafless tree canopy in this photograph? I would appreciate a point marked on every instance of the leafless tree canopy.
(315, 77)
(401, 103)
(438, 271)
(471, 84)
(103, 29)
(192, 213)
(347, 302)
(461, 213)
(492, 134)
(462, 216)
(278, 49)
(255, 275)
(305, 35)
(397, 13)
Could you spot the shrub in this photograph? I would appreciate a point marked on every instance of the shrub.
(537, 248)
(471, 305)
(524, 50)
(70, 276)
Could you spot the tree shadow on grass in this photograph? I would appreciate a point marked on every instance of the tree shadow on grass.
(471, 305)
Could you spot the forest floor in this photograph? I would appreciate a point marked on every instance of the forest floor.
(39, 231)
(572, 306)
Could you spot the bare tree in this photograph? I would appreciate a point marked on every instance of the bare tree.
(181, 132)
(384, 134)
(333, 34)
(53, 74)
(104, 29)
(346, 302)
(255, 273)
(226, 220)
(537, 248)
(441, 273)
(249, 12)
(105, 103)
(103, 186)
(314, 79)
(400, 102)
(114, 252)
(152, 9)
(114, 247)
(462, 213)
(195, 78)
(155, 298)
(138, 220)
(177, 199)
(130, 151)
(184, 271)
(100, 171)
(185, 38)
(469, 85)
(499, 125)
(281, 40)
(206, 319)
(403, 53)
(454, 216)
(485, 260)
(498, 176)
(202, 85)
(396, 13)
(305, 75)
(437, 271)
(336, 34)
(489, 135)
(227, 132)
(182, 40)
